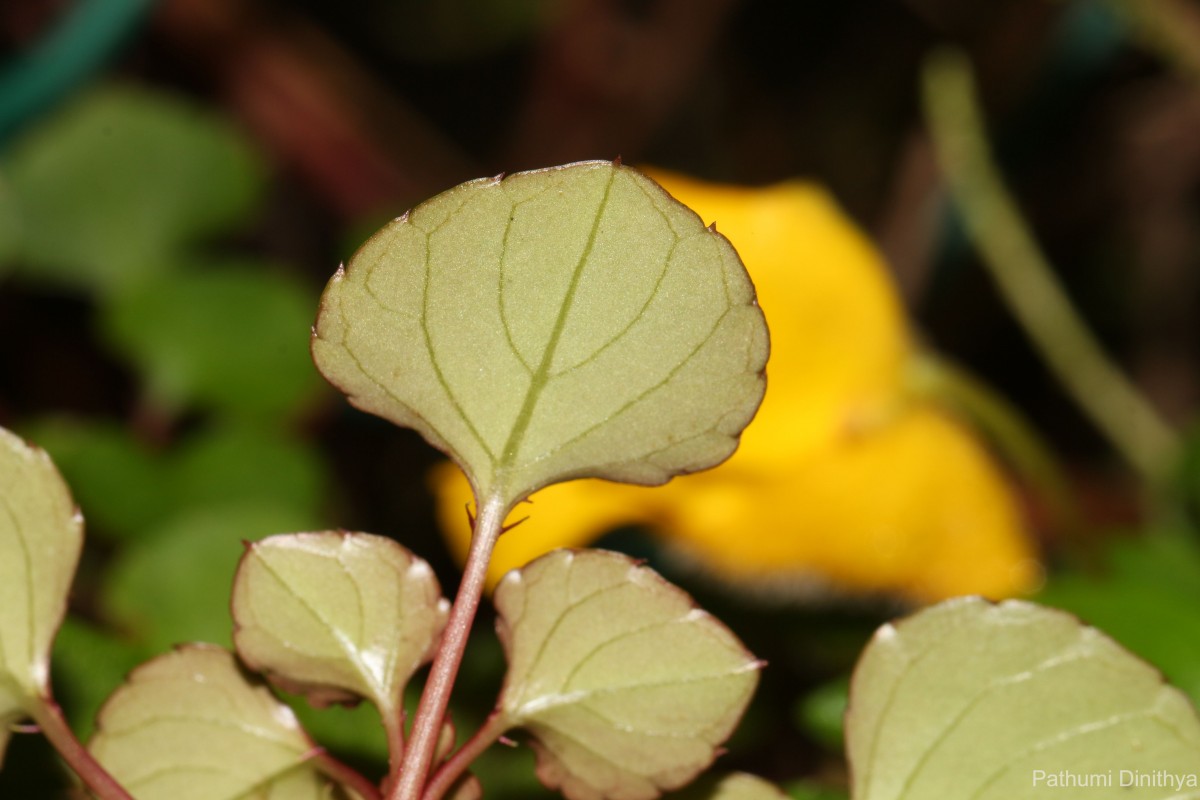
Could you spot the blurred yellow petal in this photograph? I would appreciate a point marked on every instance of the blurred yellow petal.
(915, 508)
(844, 480)
(839, 342)
(571, 514)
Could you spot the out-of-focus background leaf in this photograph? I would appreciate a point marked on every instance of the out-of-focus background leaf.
(179, 178)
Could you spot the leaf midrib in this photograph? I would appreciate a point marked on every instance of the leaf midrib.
(541, 376)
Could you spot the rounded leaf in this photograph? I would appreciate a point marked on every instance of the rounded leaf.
(41, 534)
(1001, 702)
(190, 725)
(735, 786)
(556, 324)
(627, 686)
(334, 614)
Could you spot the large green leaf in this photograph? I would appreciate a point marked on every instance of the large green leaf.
(334, 614)
(41, 535)
(1010, 701)
(109, 188)
(191, 725)
(627, 687)
(569, 322)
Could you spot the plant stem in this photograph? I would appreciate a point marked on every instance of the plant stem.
(1026, 280)
(935, 378)
(346, 775)
(49, 718)
(393, 725)
(436, 697)
(495, 725)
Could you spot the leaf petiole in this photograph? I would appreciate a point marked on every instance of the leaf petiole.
(345, 775)
(418, 757)
(48, 715)
(492, 729)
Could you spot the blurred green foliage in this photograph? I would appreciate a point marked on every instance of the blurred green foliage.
(1145, 593)
(124, 198)
(229, 338)
(110, 190)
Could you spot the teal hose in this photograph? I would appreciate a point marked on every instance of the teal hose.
(71, 52)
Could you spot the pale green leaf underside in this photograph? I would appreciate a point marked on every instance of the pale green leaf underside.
(626, 686)
(337, 613)
(568, 322)
(189, 725)
(975, 701)
(735, 786)
(41, 534)
(302, 783)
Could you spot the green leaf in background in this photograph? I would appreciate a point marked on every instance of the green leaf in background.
(131, 491)
(627, 687)
(174, 586)
(247, 464)
(813, 790)
(107, 190)
(735, 786)
(229, 338)
(121, 483)
(41, 535)
(338, 616)
(569, 322)
(353, 731)
(89, 664)
(996, 702)
(190, 725)
(821, 713)
(1146, 595)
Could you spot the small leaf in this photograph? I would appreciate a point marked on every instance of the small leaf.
(335, 614)
(997, 702)
(191, 726)
(41, 535)
(302, 783)
(563, 323)
(736, 786)
(627, 687)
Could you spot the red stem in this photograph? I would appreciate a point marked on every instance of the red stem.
(436, 697)
(49, 718)
(495, 725)
(346, 775)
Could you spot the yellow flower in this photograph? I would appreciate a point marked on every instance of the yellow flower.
(844, 480)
